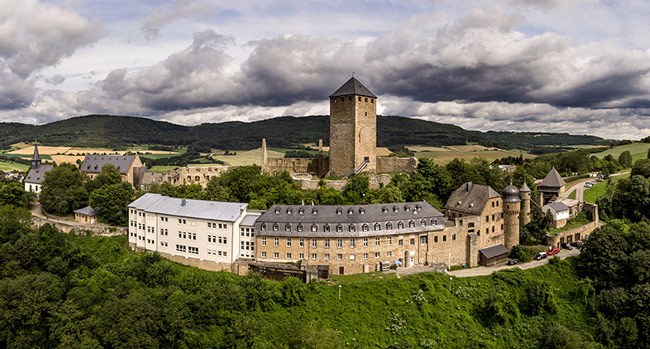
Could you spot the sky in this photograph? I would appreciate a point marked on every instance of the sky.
(576, 66)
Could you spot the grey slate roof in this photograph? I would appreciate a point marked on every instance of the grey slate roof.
(88, 211)
(249, 220)
(353, 87)
(94, 163)
(199, 209)
(494, 251)
(36, 156)
(297, 220)
(558, 206)
(552, 180)
(471, 198)
(524, 188)
(36, 175)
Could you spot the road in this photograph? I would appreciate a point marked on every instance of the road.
(580, 186)
(482, 271)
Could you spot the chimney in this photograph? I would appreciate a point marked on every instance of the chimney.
(469, 186)
(183, 202)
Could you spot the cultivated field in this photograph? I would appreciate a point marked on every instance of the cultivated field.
(443, 155)
(71, 154)
(9, 166)
(246, 157)
(638, 151)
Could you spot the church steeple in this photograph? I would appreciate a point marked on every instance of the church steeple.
(36, 158)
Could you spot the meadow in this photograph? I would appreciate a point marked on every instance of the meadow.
(638, 151)
(600, 188)
(443, 155)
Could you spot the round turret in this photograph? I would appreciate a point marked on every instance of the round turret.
(524, 188)
(511, 194)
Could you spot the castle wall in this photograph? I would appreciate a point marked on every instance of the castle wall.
(392, 164)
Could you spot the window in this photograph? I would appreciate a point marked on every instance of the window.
(434, 222)
(289, 210)
(339, 210)
(301, 242)
(365, 227)
(351, 228)
(314, 228)
(377, 254)
(411, 224)
(193, 250)
(493, 229)
(423, 222)
(301, 211)
(276, 241)
(288, 242)
(400, 242)
(389, 240)
(339, 243)
(492, 218)
(339, 228)
(444, 238)
(327, 243)
(276, 255)
(263, 254)
(487, 218)
(339, 256)
(264, 241)
(365, 242)
(287, 227)
(365, 256)
(389, 254)
(326, 228)
(435, 239)
(389, 225)
(314, 256)
(314, 243)
(423, 239)
(362, 211)
(352, 257)
(400, 225)
(300, 227)
(377, 241)
(352, 243)
(263, 226)
(327, 256)
(181, 248)
(289, 255)
(453, 237)
(301, 255)
(412, 241)
(492, 203)
(377, 226)
(350, 211)
(487, 230)
(276, 227)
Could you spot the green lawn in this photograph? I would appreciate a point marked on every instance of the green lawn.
(161, 168)
(578, 221)
(600, 188)
(8, 166)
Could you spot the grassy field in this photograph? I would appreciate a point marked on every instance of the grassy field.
(9, 166)
(161, 168)
(638, 151)
(467, 152)
(246, 157)
(600, 188)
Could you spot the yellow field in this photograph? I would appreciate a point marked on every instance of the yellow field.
(42, 149)
(71, 154)
(71, 159)
(466, 152)
(247, 157)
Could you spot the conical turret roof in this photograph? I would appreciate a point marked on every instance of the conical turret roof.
(353, 87)
(553, 179)
(524, 188)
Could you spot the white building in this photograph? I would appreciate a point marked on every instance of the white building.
(36, 174)
(207, 234)
(559, 211)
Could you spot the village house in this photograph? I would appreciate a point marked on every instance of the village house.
(130, 166)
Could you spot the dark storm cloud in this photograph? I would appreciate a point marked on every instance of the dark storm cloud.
(15, 92)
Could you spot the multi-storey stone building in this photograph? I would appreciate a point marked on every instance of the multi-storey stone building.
(206, 234)
(130, 167)
(360, 238)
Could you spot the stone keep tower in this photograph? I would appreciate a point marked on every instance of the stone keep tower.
(353, 129)
(511, 203)
(524, 194)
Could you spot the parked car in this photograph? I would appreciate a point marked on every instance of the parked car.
(589, 185)
(541, 255)
(553, 251)
(577, 244)
(512, 261)
(567, 247)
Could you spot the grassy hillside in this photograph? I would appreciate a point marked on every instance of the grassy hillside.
(282, 132)
(600, 188)
(638, 150)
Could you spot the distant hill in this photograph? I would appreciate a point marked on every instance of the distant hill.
(287, 131)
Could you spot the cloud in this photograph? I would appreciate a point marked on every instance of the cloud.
(55, 80)
(179, 9)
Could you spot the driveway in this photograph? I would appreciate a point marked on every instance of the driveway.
(482, 271)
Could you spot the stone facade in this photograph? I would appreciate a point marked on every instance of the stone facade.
(392, 164)
(130, 166)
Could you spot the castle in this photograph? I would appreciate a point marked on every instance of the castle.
(352, 142)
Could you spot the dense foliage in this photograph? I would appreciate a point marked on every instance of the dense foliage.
(90, 292)
(628, 198)
(99, 131)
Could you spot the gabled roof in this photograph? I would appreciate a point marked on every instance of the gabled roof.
(88, 211)
(471, 198)
(199, 209)
(494, 251)
(556, 207)
(36, 175)
(95, 163)
(353, 87)
(552, 179)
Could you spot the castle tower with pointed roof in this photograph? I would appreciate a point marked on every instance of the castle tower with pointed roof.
(551, 188)
(353, 129)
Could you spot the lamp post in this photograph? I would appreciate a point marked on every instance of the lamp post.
(340, 291)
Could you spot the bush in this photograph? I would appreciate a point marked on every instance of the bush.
(522, 253)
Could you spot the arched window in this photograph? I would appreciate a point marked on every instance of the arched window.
(300, 227)
(434, 221)
(314, 228)
(365, 227)
(301, 211)
(352, 228)
(423, 222)
(362, 211)
(339, 210)
(400, 225)
(389, 225)
(339, 228)
(411, 224)
(350, 211)
(289, 210)
(287, 227)
(276, 227)
(263, 226)
(377, 226)
(326, 228)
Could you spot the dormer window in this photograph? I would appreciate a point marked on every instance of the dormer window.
(351, 228)
(326, 228)
(411, 224)
(301, 211)
(384, 210)
(287, 227)
(400, 225)
(423, 222)
(276, 227)
(434, 221)
(289, 210)
(389, 225)
(263, 226)
(377, 226)
(277, 211)
(406, 208)
(365, 227)
(395, 209)
(314, 211)
(339, 228)
(362, 211)
(339, 211)
(300, 227)
(350, 211)
(314, 228)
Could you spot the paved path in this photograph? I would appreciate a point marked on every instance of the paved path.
(482, 271)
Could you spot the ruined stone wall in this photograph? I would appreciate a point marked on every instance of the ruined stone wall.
(80, 229)
(392, 164)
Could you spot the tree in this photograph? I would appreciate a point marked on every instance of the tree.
(63, 190)
(108, 175)
(603, 258)
(625, 159)
(641, 168)
(111, 202)
(13, 193)
(357, 191)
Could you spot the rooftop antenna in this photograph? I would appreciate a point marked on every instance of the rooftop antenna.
(352, 74)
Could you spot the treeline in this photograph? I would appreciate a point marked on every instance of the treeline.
(431, 182)
(284, 132)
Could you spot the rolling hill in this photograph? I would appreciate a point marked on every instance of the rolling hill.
(287, 131)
